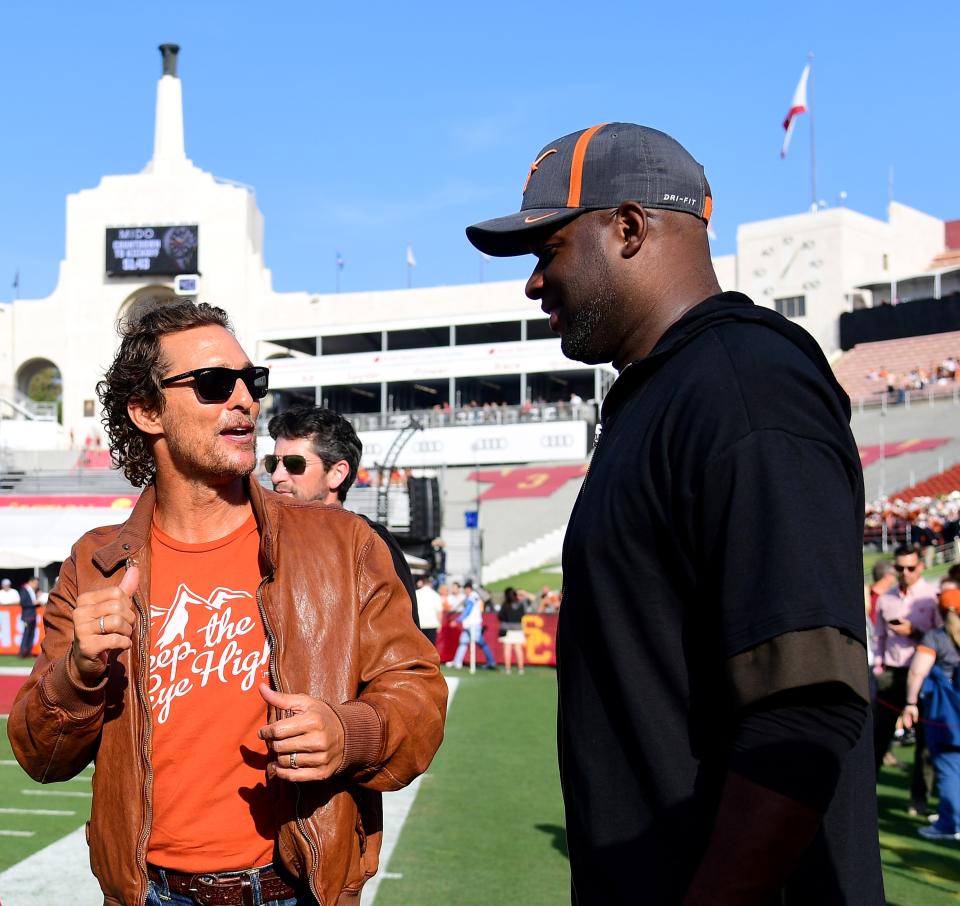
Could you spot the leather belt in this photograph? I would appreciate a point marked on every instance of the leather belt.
(227, 889)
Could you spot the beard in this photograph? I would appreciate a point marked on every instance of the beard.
(588, 326)
(205, 458)
(578, 340)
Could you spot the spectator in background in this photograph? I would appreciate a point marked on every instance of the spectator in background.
(471, 624)
(28, 614)
(438, 553)
(316, 457)
(549, 600)
(511, 629)
(8, 594)
(940, 649)
(904, 615)
(884, 579)
(455, 596)
(527, 600)
(429, 608)
(446, 605)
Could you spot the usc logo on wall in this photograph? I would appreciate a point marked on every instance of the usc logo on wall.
(540, 632)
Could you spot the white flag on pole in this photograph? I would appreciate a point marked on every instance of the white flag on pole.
(411, 261)
(797, 106)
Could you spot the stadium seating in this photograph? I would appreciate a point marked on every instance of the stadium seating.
(896, 356)
(939, 485)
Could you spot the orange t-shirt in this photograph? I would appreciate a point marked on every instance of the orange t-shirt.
(208, 653)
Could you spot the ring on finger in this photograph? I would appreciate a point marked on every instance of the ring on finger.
(103, 629)
(293, 760)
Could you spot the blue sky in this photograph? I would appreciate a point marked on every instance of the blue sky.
(365, 127)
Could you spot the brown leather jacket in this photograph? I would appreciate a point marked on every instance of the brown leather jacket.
(339, 622)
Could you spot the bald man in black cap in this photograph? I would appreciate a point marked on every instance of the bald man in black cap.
(713, 727)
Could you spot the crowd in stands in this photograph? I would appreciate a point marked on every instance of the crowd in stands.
(917, 377)
(928, 521)
(495, 412)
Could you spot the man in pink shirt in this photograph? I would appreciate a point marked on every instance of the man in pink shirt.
(904, 615)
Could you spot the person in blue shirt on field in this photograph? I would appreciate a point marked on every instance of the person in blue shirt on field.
(470, 620)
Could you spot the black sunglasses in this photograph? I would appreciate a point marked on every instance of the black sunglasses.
(216, 385)
(900, 568)
(294, 464)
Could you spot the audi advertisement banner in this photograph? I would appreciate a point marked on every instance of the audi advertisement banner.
(482, 446)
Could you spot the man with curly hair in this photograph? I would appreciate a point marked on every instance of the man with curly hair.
(242, 665)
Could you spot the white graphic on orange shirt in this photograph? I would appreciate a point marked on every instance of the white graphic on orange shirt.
(208, 651)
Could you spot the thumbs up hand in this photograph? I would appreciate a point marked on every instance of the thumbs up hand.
(103, 622)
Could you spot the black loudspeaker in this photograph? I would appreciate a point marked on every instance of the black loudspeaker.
(426, 512)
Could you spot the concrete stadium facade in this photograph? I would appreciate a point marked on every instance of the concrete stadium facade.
(375, 353)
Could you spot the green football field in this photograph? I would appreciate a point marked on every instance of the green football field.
(487, 825)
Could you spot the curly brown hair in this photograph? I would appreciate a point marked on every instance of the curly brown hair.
(136, 372)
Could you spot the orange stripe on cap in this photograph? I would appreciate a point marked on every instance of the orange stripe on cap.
(707, 208)
(576, 165)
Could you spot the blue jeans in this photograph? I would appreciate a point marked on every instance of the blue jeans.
(161, 895)
(465, 643)
(947, 765)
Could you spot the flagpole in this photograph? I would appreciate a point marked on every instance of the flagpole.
(813, 142)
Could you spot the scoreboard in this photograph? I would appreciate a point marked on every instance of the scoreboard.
(169, 250)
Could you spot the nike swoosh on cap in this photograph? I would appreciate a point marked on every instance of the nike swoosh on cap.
(539, 217)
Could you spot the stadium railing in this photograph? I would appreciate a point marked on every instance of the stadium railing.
(904, 399)
(474, 415)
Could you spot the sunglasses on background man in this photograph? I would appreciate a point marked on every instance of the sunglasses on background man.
(294, 464)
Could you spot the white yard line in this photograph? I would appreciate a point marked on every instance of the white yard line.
(13, 833)
(75, 794)
(34, 811)
(15, 671)
(396, 807)
(65, 865)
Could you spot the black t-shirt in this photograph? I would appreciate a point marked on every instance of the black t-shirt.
(511, 613)
(723, 509)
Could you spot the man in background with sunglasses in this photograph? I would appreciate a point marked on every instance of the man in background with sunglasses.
(904, 615)
(243, 666)
(316, 457)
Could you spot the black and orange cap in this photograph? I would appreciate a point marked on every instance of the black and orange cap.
(596, 168)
